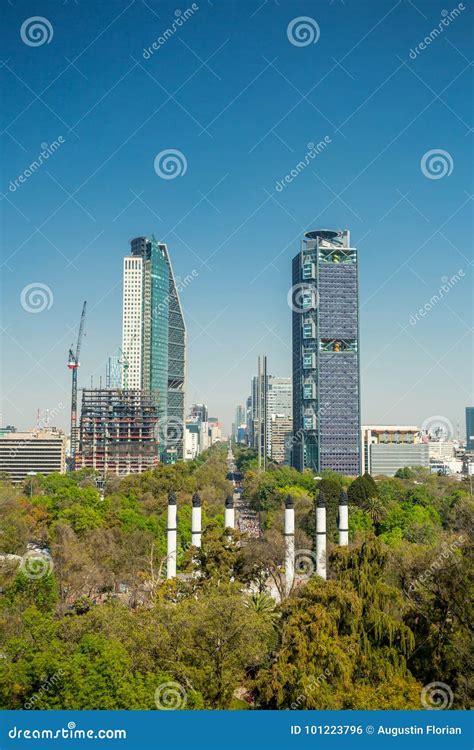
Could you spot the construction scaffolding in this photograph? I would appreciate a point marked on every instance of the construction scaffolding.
(118, 431)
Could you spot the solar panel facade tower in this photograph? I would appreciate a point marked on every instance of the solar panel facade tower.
(326, 372)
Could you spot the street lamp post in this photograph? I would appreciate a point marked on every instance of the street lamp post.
(31, 474)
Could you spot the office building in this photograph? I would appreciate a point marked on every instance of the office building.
(192, 440)
(387, 448)
(200, 411)
(442, 450)
(279, 402)
(240, 421)
(470, 428)
(215, 430)
(154, 338)
(41, 451)
(259, 411)
(118, 432)
(281, 430)
(326, 373)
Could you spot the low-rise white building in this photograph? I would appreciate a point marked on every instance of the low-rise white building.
(387, 448)
(40, 451)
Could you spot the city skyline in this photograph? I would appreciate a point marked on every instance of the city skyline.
(372, 130)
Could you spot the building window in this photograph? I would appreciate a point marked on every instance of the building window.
(308, 330)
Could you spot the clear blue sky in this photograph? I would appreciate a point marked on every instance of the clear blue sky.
(231, 92)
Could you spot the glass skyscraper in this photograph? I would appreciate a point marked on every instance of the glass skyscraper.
(326, 373)
(154, 338)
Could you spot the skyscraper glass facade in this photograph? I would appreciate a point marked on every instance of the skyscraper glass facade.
(154, 338)
(176, 362)
(326, 379)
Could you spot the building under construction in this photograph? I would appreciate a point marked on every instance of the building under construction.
(118, 431)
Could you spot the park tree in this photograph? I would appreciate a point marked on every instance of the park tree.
(342, 642)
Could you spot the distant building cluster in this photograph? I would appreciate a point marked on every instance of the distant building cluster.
(266, 422)
(311, 420)
(201, 431)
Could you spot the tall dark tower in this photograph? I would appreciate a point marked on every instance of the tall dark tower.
(326, 372)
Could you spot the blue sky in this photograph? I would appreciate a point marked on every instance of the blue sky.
(240, 100)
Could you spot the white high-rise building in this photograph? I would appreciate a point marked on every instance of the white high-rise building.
(154, 338)
(132, 328)
(192, 439)
(279, 402)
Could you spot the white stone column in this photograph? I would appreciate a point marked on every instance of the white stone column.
(171, 535)
(289, 544)
(196, 521)
(321, 563)
(343, 520)
(229, 513)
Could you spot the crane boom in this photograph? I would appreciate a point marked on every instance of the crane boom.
(73, 364)
(81, 332)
